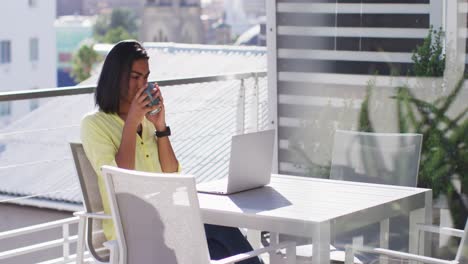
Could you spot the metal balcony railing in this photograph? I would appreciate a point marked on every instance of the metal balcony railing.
(67, 239)
(86, 89)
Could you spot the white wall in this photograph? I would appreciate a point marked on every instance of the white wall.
(18, 23)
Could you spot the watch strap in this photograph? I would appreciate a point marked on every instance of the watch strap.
(165, 133)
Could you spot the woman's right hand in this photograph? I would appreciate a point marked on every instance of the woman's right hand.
(139, 107)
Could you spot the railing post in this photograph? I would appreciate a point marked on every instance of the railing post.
(80, 243)
(66, 242)
(241, 108)
(255, 98)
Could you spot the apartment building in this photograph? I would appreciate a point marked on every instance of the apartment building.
(28, 51)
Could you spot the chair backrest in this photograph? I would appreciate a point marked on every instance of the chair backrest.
(156, 216)
(92, 201)
(462, 253)
(387, 158)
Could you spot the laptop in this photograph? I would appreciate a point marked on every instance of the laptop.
(249, 165)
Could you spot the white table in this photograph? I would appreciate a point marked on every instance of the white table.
(317, 208)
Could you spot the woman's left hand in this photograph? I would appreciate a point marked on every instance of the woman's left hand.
(159, 119)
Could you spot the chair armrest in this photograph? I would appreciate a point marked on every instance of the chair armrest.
(99, 215)
(350, 250)
(113, 248)
(440, 230)
(111, 244)
(290, 246)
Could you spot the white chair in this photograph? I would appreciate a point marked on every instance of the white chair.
(384, 158)
(461, 256)
(90, 223)
(157, 219)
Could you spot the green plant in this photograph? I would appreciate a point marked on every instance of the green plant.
(364, 120)
(429, 58)
(115, 35)
(444, 151)
(119, 25)
(82, 63)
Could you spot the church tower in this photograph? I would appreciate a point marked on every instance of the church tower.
(172, 21)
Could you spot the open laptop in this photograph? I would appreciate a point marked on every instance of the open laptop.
(249, 165)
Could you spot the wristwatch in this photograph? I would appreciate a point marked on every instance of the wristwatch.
(165, 133)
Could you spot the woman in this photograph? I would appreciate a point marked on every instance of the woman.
(123, 133)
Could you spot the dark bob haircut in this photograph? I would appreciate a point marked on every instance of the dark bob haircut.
(115, 74)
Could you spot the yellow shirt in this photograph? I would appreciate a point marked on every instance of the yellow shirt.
(101, 134)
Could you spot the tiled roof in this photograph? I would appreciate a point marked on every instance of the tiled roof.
(37, 161)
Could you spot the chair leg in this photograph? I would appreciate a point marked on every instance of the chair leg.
(384, 234)
(291, 254)
(349, 254)
(274, 240)
(254, 236)
(113, 247)
(114, 257)
(358, 241)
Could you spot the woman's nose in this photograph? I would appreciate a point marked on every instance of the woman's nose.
(144, 83)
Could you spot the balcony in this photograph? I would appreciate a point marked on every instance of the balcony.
(238, 103)
(326, 76)
(208, 109)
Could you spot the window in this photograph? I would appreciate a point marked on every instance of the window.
(65, 57)
(5, 108)
(160, 35)
(165, 3)
(32, 3)
(189, 3)
(33, 103)
(5, 51)
(34, 49)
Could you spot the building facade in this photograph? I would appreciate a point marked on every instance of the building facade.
(172, 21)
(95, 7)
(71, 32)
(254, 8)
(69, 7)
(27, 57)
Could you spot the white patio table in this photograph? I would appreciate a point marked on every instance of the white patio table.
(318, 208)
